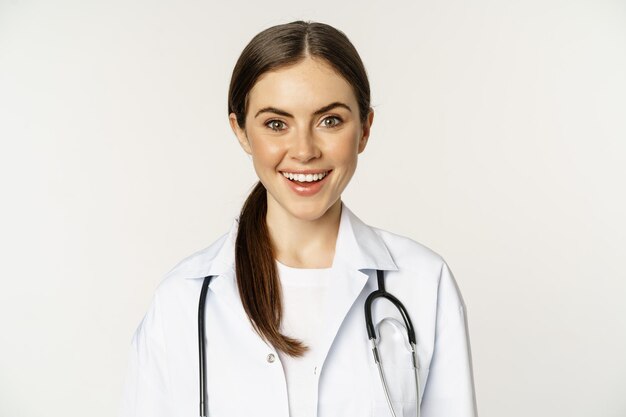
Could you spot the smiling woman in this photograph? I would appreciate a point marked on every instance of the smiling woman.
(320, 135)
(280, 297)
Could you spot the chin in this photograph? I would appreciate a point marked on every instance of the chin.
(308, 211)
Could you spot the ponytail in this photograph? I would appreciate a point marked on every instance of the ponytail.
(257, 276)
(279, 47)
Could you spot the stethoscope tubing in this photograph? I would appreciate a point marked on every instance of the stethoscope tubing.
(382, 293)
(202, 347)
(371, 333)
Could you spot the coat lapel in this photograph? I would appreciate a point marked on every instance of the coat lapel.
(358, 249)
(217, 260)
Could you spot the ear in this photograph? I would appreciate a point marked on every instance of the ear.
(367, 126)
(240, 133)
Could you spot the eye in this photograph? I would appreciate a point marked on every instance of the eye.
(275, 124)
(337, 121)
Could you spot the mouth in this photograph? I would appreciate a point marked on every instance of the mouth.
(306, 185)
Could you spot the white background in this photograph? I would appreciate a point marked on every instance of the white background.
(499, 141)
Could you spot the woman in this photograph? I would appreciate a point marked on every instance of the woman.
(287, 286)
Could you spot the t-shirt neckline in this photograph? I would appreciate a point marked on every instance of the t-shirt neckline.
(303, 276)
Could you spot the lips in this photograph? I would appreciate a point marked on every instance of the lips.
(306, 189)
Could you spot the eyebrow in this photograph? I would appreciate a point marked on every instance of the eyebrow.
(315, 113)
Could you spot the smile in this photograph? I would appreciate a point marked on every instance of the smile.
(305, 177)
(306, 185)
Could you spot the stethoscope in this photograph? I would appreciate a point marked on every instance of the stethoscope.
(371, 333)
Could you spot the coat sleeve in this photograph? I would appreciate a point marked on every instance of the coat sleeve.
(145, 392)
(449, 390)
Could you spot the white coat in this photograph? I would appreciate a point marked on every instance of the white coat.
(245, 375)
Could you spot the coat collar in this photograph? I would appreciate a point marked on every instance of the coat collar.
(358, 247)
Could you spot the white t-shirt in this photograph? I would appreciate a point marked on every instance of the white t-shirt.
(304, 301)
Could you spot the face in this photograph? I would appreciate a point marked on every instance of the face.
(303, 119)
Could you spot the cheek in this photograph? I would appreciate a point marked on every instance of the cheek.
(265, 153)
(343, 152)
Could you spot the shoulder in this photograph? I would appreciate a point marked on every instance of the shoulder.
(189, 269)
(418, 260)
(176, 294)
(409, 254)
(199, 261)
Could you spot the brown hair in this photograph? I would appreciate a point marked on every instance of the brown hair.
(273, 48)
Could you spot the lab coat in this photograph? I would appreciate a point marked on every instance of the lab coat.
(244, 373)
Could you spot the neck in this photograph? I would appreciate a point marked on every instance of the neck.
(303, 243)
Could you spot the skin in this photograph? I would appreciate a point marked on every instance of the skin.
(303, 230)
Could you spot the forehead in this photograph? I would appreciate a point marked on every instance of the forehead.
(309, 84)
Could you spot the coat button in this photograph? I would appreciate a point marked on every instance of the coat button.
(271, 358)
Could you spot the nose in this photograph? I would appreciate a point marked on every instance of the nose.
(304, 146)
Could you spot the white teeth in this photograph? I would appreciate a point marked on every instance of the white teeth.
(305, 177)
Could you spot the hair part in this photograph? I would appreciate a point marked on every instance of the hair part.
(287, 44)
